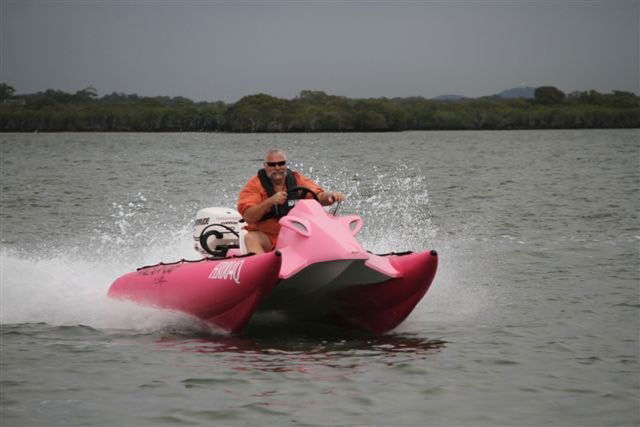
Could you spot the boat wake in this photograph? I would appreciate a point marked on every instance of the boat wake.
(65, 290)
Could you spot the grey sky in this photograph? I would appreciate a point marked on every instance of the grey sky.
(221, 50)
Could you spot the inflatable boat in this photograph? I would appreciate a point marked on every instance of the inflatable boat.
(317, 271)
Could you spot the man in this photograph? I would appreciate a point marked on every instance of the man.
(263, 200)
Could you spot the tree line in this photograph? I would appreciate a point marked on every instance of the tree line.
(312, 111)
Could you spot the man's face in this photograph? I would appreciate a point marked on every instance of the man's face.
(274, 166)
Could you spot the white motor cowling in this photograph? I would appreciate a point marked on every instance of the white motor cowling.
(216, 229)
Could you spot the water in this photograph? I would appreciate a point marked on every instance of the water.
(532, 319)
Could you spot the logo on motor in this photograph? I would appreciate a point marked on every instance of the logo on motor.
(202, 221)
(227, 270)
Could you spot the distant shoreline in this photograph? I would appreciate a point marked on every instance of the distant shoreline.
(6, 132)
(315, 112)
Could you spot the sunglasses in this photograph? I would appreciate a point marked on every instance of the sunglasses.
(274, 164)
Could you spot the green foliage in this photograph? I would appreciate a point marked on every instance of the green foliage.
(548, 95)
(6, 91)
(312, 111)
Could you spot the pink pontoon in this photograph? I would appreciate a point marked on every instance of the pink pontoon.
(317, 271)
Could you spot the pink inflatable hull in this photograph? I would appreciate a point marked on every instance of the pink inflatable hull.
(224, 293)
(318, 271)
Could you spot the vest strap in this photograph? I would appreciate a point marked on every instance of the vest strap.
(277, 211)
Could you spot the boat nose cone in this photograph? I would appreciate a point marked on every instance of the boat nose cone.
(354, 250)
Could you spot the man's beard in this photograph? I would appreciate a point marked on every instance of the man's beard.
(276, 176)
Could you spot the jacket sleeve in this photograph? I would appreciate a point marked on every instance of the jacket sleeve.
(250, 195)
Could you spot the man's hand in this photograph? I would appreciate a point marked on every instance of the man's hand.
(253, 214)
(330, 197)
(278, 198)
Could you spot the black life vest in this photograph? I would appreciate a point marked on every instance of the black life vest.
(278, 211)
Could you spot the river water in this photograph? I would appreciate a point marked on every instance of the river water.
(532, 319)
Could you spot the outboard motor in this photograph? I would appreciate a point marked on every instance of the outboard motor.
(216, 230)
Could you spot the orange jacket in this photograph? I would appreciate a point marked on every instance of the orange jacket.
(253, 193)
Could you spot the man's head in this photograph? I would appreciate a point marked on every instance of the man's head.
(275, 165)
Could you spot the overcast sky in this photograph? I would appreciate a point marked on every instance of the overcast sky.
(223, 50)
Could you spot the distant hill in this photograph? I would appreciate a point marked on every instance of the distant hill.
(517, 92)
